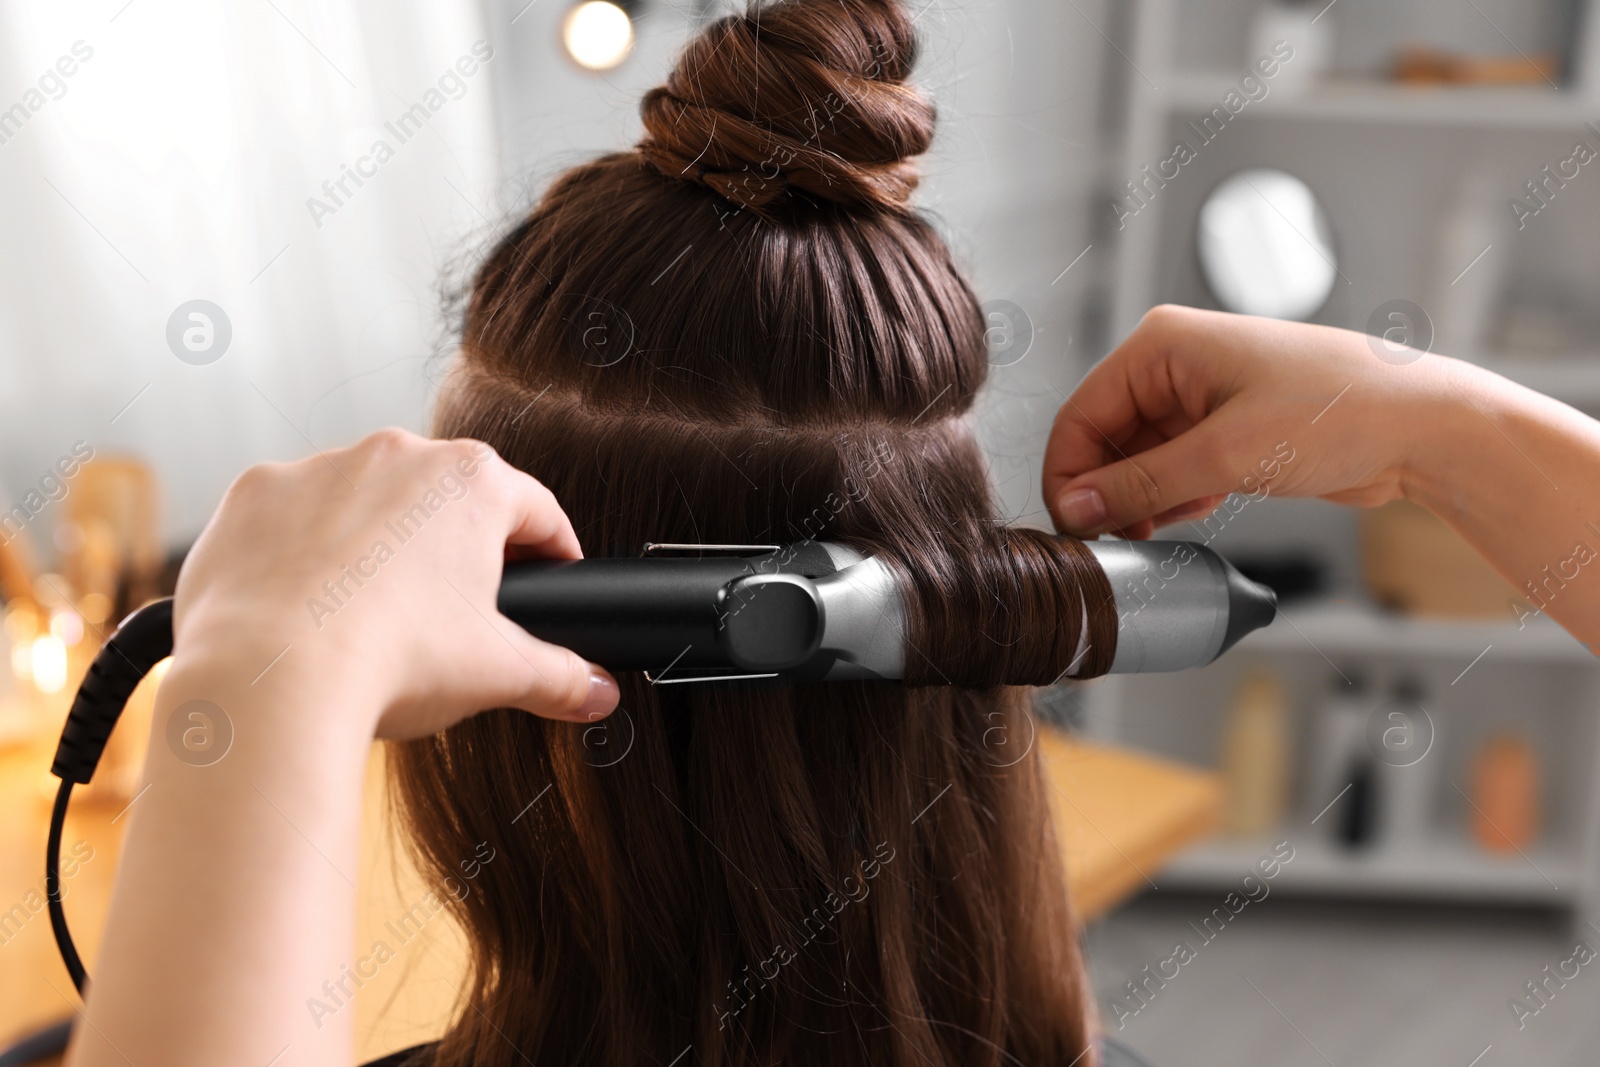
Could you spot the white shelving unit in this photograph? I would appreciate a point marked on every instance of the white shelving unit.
(1537, 678)
(1450, 869)
(1383, 158)
(1350, 629)
(1364, 101)
(1345, 133)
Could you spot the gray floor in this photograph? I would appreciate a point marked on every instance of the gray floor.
(1290, 983)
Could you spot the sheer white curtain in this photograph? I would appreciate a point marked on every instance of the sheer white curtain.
(176, 163)
(157, 152)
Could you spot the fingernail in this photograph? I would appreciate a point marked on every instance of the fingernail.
(602, 698)
(1081, 509)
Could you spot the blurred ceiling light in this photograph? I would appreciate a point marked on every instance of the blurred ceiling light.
(49, 664)
(67, 625)
(95, 607)
(21, 623)
(598, 34)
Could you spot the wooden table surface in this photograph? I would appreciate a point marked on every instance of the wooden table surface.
(1119, 816)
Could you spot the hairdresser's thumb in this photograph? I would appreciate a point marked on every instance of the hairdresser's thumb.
(1120, 495)
(560, 684)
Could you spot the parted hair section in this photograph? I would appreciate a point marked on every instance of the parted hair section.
(747, 873)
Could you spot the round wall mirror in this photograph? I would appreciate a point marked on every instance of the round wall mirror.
(1265, 246)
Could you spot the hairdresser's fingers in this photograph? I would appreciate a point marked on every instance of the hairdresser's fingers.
(538, 525)
(1191, 509)
(1188, 468)
(510, 669)
(1079, 441)
(542, 678)
(555, 682)
(1135, 398)
(1143, 439)
(1139, 531)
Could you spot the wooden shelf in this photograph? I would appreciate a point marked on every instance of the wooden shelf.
(1447, 868)
(1360, 101)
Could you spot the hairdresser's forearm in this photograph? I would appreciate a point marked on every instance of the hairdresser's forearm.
(1518, 475)
(235, 898)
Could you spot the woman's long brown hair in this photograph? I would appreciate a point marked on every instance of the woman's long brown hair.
(740, 333)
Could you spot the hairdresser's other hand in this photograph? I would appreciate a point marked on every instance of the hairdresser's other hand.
(371, 573)
(1195, 405)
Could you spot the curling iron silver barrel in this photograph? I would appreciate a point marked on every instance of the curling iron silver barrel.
(824, 612)
(1179, 604)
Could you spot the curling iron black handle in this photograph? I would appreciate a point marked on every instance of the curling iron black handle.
(623, 613)
(143, 640)
(725, 614)
(628, 614)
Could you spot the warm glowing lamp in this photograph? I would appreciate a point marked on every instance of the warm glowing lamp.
(598, 34)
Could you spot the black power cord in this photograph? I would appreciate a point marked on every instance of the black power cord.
(52, 876)
(143, 640)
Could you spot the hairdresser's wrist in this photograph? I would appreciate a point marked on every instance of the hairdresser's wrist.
(266, 699)
(248, 642)
(1450, 435)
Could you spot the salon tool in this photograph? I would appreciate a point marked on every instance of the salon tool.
(712, 613)
(1293, 575)
(824, 612)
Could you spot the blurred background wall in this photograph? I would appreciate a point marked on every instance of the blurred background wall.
(179, 159)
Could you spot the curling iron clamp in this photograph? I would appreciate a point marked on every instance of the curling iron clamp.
(811, 611)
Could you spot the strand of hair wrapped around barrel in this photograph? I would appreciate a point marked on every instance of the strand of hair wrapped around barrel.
(1011, 614)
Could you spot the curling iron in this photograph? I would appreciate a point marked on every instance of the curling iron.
(824, 612)
(713, 613)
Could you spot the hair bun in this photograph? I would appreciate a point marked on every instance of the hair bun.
(800, 95)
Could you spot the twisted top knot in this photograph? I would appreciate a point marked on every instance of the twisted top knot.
(799, 96)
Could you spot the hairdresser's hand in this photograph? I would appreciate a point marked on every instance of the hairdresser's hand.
(1195, 405)
(373, 570)
(345, 596)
